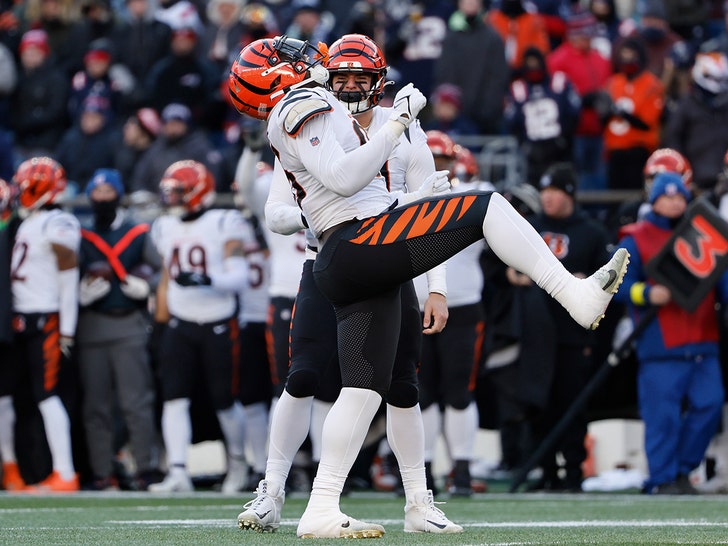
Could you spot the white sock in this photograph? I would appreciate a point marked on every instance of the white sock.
(460, 429)
(406, 437)
(520, 246)
(432, 421)
(318, 416)
(176, 431)
(7, 430)
(58, 433)
(345, 427)
(232, 424)
(256, 437)
(289, 426)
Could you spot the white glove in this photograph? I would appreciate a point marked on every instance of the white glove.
(407, 104)
(92, 289)
(437, 183)
(135, 287)
(66, 344)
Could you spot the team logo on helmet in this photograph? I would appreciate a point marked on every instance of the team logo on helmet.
(40, 180)
(266, 69)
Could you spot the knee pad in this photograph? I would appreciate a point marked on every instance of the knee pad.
(302, 383)
(403, 394)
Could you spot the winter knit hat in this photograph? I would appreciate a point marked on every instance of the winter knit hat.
(105, 176)
(561, 176)
(667, 183)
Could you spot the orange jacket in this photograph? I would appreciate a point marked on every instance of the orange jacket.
(526, 30)
(644, 98)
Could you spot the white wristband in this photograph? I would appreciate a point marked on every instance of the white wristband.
(437, 279)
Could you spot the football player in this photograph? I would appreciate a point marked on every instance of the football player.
(44, 281)
(372, 240)
(204, 267)
(357, 77)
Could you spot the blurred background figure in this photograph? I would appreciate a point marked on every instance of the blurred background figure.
(446, 114)
(542, 111)
(698, 127)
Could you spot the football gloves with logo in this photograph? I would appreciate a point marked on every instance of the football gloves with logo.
(192, 278)
(407, 104)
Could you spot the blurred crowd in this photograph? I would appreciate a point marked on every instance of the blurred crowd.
(598, 95)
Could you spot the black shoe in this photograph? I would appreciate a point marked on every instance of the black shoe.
(144, 479)
(460, 485)
(685, 485)
(546, 485)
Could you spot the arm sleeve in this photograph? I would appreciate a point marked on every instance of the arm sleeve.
(421, 164)
(344, 173)
(245, 173)
(233, 278)
(282, 214)
(437, 279)
(68, 280)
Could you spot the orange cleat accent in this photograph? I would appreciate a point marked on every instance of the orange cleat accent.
(55, 484)
(12, 480)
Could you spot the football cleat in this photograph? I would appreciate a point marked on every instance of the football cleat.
(55, 484)
(12, 480)
(322, 524)
(174, 482)
(263, 513)
(588, 303)
(422, 516)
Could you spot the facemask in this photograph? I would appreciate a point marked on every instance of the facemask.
(104, 213)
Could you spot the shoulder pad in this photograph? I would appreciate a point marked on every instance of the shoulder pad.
(303, 110)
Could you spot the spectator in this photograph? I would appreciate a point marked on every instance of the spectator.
(222, 37)
(259, 21)
(185, 77)
(447, 116)
(542, 111)
(484, 85)
(58, 18)
(680, 391)
(38, 107)
(605, 12)
(588, 71)
(95, 79)
(520, 30)
(177, 140)
(137, 134)
(579, 243)
(698, 128)
(98, 22)
(632, 129)
(88, 145)
(140, 42)
(112, 336)
(8, 83)
(520, 337)
(310, 22)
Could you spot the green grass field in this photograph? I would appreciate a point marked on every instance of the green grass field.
(491, 518)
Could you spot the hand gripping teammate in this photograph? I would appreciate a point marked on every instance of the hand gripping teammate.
(357, 77)
(369, 245)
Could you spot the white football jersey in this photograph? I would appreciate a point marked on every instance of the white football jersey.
(411, 162)
(34, 277)
(198, 245)
(335, 178)
(254, 298)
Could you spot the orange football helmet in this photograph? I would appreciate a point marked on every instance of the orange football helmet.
(667, 160)
(440, 144)
(40, 180)
(188, 185)
(358, 53)
(268, 68)
(466, 166)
